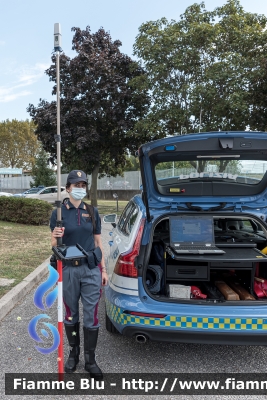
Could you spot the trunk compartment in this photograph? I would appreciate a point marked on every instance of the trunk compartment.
(239, 275)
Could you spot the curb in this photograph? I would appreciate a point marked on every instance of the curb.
(9, 300)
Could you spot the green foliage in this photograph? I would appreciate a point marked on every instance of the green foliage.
(19, 144)
(41, 172)
(25, 211)
(173, 164)
(231, 166)
(204, 72)
(132, 164)
(98, 106)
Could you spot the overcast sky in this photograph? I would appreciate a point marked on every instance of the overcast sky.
(26, 38)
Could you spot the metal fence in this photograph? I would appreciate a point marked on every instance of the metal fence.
(130, 180)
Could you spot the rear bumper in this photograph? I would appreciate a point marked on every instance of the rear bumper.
(223, 338)
(246, 325)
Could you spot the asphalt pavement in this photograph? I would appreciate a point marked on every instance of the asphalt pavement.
(118, 354)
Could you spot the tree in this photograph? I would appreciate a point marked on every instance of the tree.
(19, 145)
(41, 172)
(203, 69)
(258, 95)
(99, 107)
(132, 164)
(173, 165)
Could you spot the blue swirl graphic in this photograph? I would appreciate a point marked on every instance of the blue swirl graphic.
(51, 297)
(44, 287)
(43, 331)
(34, 335)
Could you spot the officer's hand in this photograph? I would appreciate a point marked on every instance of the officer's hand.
(58, 232)
(104, 279)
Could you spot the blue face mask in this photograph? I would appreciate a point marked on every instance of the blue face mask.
(78, 193)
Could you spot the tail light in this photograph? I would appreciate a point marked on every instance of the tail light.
(125, 263)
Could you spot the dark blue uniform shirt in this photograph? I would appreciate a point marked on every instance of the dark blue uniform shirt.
(78, 225)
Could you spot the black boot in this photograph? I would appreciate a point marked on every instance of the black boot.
(73, 335)
(90, 341)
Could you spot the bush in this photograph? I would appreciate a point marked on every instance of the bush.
(25, 211)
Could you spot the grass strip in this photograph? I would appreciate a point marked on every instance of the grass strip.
(22, 249)
(110, 206)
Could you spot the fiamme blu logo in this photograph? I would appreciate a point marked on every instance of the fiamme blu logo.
(43, 299)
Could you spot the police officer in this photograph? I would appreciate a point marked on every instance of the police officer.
(81, 224)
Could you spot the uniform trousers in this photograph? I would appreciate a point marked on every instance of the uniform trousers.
(85, 283)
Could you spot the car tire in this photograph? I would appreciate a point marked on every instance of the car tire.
(109, 325)
(65, 200)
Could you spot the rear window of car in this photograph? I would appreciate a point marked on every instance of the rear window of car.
(33, 190)
(128, 218)
(250, 172)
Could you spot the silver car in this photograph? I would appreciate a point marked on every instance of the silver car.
(49, 194)
(6, 194)
(29, 191)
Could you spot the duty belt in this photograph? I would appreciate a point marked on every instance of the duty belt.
(91, 258)
(75, 262)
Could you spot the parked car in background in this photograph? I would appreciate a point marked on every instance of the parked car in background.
(49, 194)
(207, 191)
(20, 194)
(120, 185)
(6, 194)
(29, 191)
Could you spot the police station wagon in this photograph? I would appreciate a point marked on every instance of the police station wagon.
(187, 258)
